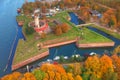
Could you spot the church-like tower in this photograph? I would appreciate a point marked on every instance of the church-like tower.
(36, 19)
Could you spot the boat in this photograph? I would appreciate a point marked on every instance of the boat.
(56, 58)
(65, 57)
(92, 53)
(76, 55)
(18, 10)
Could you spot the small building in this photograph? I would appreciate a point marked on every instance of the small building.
(39, 26)
(95, 13)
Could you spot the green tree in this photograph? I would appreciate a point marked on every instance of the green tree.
(109, 75)
(85, 76)
(39, 75)
(111, 23)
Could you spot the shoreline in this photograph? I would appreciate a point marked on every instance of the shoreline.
(60, 43)
(95, 45)
(30, 60)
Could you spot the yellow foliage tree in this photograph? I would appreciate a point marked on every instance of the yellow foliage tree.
(53, 71)
(116, 50)
(28, 76)
(92, 65)
(13, 76)
(106, 64)
(116, 62)
(70, 76)
(78, 77)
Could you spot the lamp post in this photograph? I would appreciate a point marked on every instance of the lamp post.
(81, 32)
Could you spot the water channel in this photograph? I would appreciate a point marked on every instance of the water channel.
(10, 33)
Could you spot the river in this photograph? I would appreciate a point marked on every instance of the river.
(10, 33)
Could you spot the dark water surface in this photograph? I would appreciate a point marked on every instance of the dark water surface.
(10, 33)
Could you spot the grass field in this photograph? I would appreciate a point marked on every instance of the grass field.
(114, 34)
(92, 37)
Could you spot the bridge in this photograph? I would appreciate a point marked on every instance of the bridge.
(84, 24)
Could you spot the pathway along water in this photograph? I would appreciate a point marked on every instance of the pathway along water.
(10, 33)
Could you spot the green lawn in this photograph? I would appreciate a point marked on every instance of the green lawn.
(26, 50)
(92, 37)
(114, 34)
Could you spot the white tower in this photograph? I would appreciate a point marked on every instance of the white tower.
(37, 21)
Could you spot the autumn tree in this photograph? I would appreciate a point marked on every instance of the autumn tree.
(93, 77)
(62, 6)
(109, 18)
(93, 66)
(110, 75)
(53, 71)
(78, 77)
(68, 3)
(43, 9)
(13, 76)
(58, 30)
(64, 27)
(43, 35)
(39, 75)
(28, 76)
(106, 64)
(116, 63)
(70, 76)
(84, 13)
(117, 50)
(47, 5)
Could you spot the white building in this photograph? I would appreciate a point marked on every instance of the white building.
(37, 21)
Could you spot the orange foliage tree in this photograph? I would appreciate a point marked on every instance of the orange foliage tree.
(28, 76)
(92, 65)
(109, 18)
(64, 27)
(43, 35)
(75, 69)
(116, 62)
(13, 76)
(106, 64)
(53, 71)
(58, 30)
(84, 11)
(70, 76)
(78, 77)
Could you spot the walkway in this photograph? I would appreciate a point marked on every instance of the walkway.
(99, 26)
(84, 24)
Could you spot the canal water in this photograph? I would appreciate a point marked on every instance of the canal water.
(10, 33)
